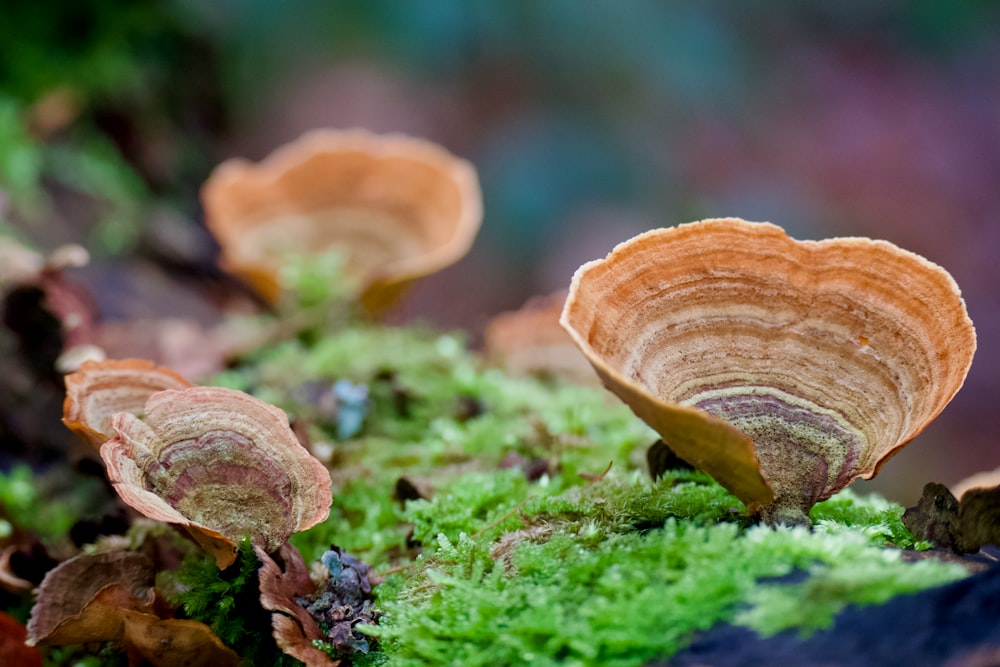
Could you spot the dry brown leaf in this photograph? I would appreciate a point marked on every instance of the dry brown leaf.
(102, 582)
(173, 642)
(294, 629)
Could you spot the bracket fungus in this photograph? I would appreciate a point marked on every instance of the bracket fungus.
(99, 389)
(220, 463)
(530, 342)
(785, 369)
(397, 206)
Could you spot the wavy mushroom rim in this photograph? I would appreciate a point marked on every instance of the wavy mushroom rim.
(124, 457)
(269, 171)
(101, 375)
(963, 334)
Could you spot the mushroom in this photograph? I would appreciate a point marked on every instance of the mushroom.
(220, 463)
(986, 479)
(396, 206)
(102, 388)
(785, 369)
(529, 341)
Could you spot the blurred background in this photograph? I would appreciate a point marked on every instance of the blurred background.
(589, 121)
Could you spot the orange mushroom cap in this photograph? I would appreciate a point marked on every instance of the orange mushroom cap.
(785, 369)
(529, 341)
(100, 389)
(396, 206)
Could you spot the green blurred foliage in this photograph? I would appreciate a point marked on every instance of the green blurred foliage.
(88, 91)
(32, 502)
(98, 46)
(602, 81)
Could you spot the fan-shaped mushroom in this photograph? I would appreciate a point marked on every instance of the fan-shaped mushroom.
(398, 207)
(220, 463)
(986, 479)
(529, 341)
(102, 388)
(785, 369)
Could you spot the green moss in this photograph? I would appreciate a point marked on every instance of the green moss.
(434, 414)
(849, 574)
(426, 388)
(631, 596)
(574, 567)
(364, 521)
(879, 519)
(228, 602)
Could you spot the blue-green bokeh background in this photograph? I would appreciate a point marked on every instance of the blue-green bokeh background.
(589, 121)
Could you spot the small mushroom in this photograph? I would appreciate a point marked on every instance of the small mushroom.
(785, 369)
(981, 480)
(102, 388)
(220, 463)
(398, 207)
(529, 341)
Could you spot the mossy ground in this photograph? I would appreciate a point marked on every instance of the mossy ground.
(526, 548)
(572, 567)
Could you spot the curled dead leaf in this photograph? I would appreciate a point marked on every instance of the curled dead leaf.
(110, 597)
(171, 642)
(294, 629)
(76, 600)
